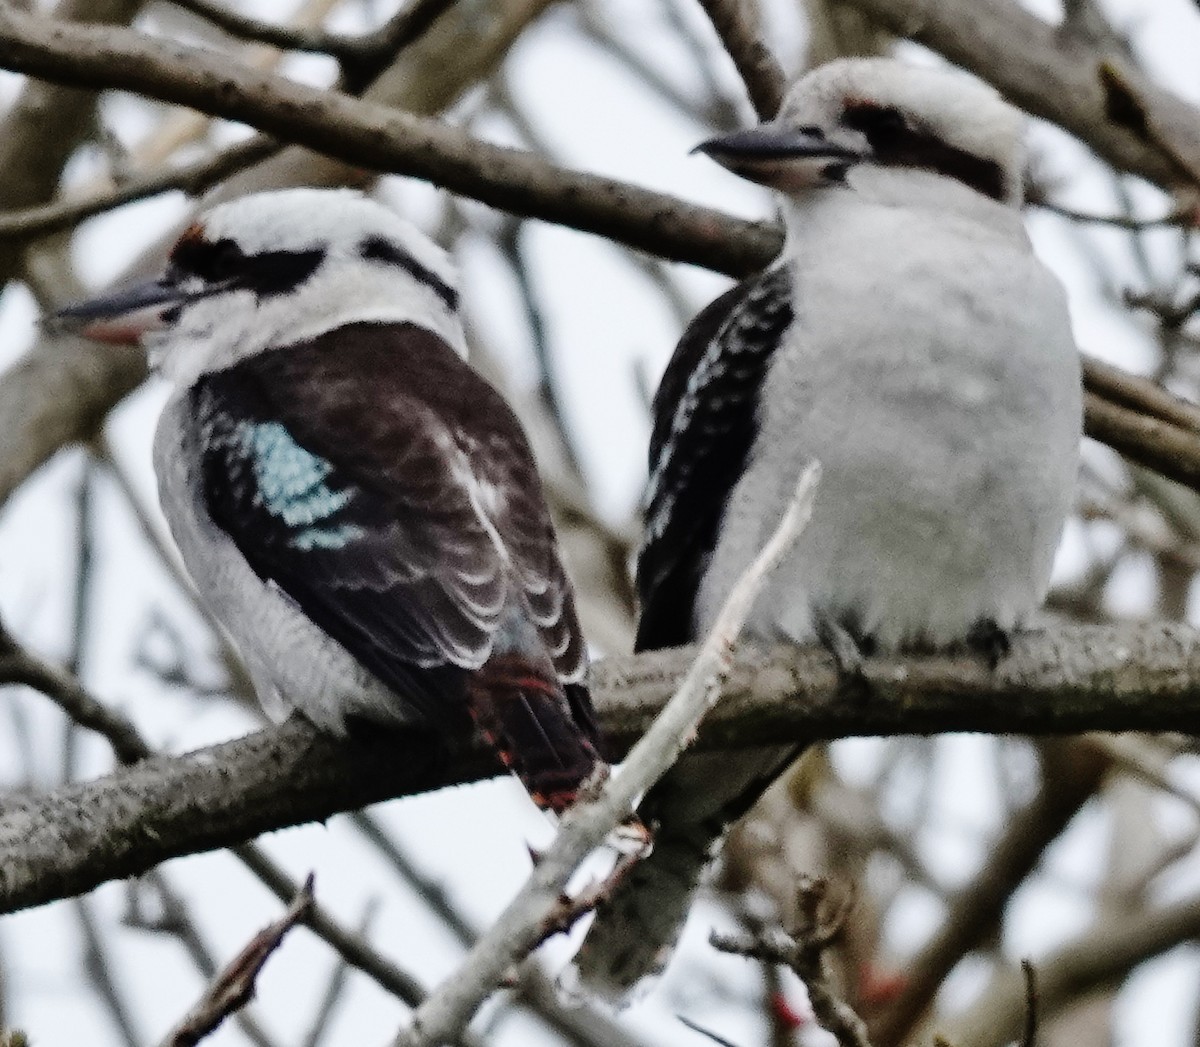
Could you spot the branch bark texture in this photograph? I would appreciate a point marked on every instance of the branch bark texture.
(1059, 681)
(381, 138)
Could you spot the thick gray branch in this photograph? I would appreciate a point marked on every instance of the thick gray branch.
(1064, 680)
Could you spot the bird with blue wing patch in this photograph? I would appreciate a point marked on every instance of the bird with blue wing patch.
(358, 507)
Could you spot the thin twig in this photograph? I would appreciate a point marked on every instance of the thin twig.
(337, 985)
(819, 925)
(233, 988)
(570, 910)
(1179, 216)
(175, 919)
(583, 1026)
(34, 222)
(1029, 1036)
(395, 34)
(720, 1041)
(450, 1007)
(99, 971)
(17, 665)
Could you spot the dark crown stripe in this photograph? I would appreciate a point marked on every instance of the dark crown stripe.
(381, 249)
(896, 143)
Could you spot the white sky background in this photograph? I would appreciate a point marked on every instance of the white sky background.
(604, 322)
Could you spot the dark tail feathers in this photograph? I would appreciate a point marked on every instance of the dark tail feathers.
(522, 709)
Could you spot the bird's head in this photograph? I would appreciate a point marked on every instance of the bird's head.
(884, 114)
(272, 269)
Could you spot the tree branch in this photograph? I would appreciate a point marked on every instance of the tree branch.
(1058, 681)
(736, 25)
(363, 132)
(1051, 76)
(1071, 775)
(608, 802)
(193, 179)
(233, 988)
(382, 138)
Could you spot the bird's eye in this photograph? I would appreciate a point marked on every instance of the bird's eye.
(877, 122)
(212, 262)
(226, 259)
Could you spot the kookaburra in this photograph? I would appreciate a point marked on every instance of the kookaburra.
(359, 509)
(909, 340)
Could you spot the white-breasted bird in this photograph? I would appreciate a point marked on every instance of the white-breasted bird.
(909, 340)
(357, 506)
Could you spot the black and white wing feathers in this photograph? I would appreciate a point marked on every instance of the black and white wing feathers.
(390, 492)
(705, 421)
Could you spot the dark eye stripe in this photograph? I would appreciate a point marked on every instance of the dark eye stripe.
(897, 144)
(381, 249)
(267, 274)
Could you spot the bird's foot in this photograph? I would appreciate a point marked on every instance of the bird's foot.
(988, 639)
(848, 653)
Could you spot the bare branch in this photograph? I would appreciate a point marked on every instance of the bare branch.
(1049, 76)
(233, 988)
(518, 929)
(193, 179)
(1156, 444)
(1071, 776)
(1029, 1035)
(584, 1026)
(20, 666)
(1139, 394)
(382, 138)
(803, 950)
(736, 25)
(1058, 681)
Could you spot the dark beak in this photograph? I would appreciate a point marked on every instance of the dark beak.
(782, 158)
(124, 316)
(119, 317)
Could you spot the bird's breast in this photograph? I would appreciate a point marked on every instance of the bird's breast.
(938, 384)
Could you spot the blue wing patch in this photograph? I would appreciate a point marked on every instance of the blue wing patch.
(291, 485)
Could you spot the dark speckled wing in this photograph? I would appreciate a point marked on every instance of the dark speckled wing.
(390, 491)
(704, 425)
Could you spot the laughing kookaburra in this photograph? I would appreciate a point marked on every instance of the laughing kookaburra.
(909, 340)
(359, 509)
